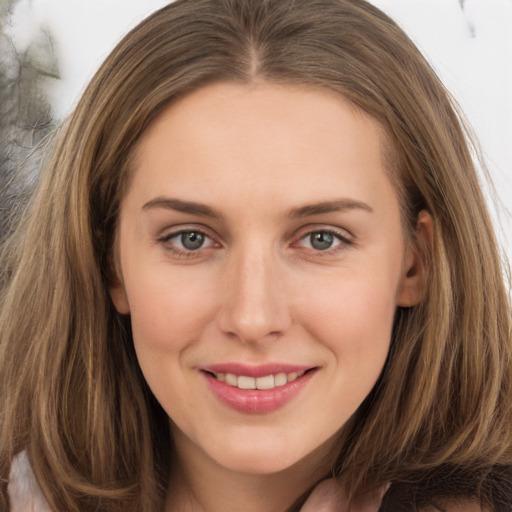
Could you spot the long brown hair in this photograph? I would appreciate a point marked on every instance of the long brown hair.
(71, 391)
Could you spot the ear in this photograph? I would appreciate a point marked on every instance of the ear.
(118, 296)
(413, 283)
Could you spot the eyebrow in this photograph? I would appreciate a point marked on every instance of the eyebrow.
(337, 205)
(202, 210)
(182, 206)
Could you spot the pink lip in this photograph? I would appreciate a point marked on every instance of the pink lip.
(255, 401)
(255, 371)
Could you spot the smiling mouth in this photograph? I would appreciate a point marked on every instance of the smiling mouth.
(265, 382)
(257, 389)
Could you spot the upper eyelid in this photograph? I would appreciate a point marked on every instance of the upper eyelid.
(337, 231)
(172, 231)
(174, 234)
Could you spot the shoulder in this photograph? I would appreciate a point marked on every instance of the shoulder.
(24, 492)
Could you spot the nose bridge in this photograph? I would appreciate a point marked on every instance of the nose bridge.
(256, 305)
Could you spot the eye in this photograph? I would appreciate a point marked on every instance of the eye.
(187, 241)
(191, 240)
(323, 240)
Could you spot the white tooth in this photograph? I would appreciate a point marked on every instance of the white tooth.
(280, 379)
(300, 374)
(221, 377)
(231, 379)
(245, 382)
(266, 382)
(292, 376)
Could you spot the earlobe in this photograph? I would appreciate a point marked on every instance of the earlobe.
(119, 298)
(414, 279)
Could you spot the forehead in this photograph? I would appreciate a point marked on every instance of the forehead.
(261, 102)
(260, 139)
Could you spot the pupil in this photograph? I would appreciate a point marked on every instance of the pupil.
(192, 240)
(321, 241)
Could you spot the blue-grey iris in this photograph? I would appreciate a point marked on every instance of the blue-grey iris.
(321, 240)
(192, 240)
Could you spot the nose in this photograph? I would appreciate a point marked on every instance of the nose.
(255, 307)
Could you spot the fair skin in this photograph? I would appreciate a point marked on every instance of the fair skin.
(261, 236)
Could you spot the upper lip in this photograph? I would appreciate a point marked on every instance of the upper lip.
(256, 370)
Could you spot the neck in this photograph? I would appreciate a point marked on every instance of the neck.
(200, 484)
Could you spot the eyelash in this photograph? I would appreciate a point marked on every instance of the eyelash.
(343, 242)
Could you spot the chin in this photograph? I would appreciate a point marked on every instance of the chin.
(266, 458)
(268, 466)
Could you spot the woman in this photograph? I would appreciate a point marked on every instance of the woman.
(259, 258)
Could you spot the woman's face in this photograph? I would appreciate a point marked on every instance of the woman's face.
(260, 246)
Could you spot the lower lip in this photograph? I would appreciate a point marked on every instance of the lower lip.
(255, 401)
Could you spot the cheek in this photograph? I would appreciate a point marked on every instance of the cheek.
(168, 315)
(168, 310)
(353, 317)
